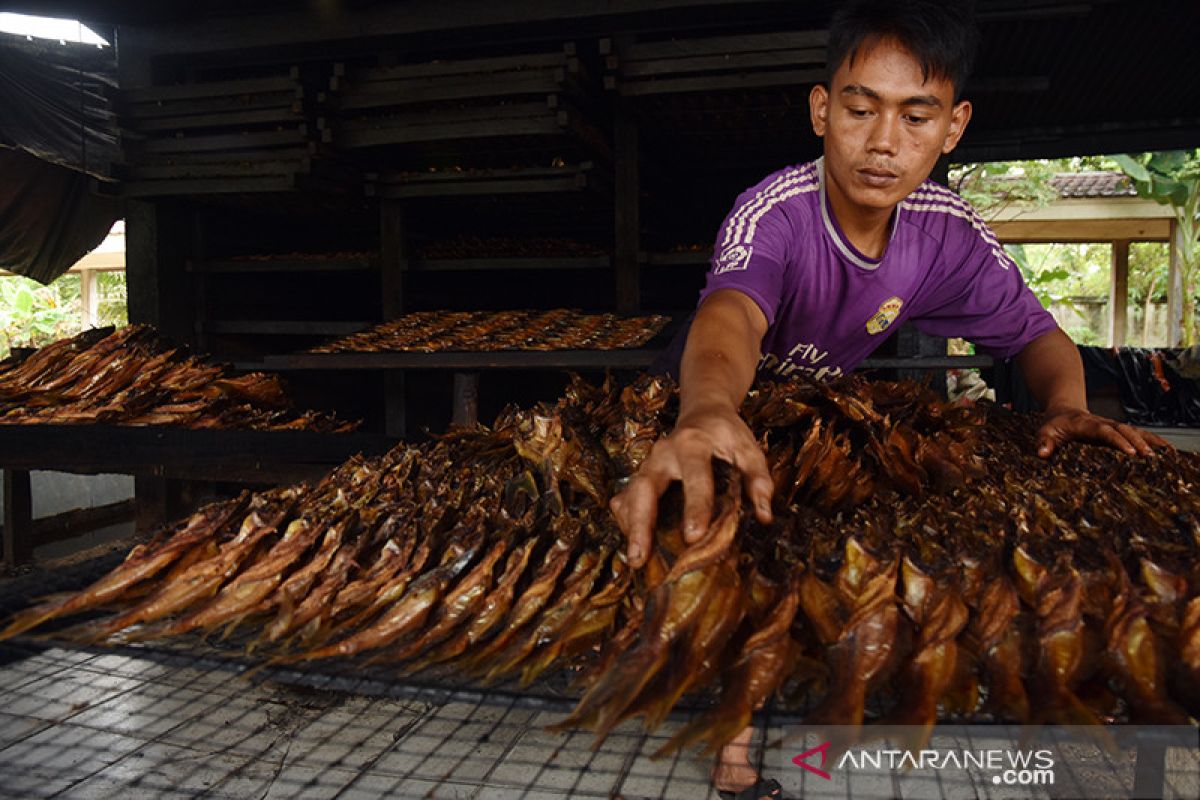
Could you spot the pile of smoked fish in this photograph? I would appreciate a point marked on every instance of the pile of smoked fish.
(557, 329)
(923, 563)
(134, 377)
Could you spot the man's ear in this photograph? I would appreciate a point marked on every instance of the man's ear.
(818, 108)
(960, 115)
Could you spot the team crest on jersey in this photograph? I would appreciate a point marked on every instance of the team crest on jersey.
(733, 258)
(882, 319)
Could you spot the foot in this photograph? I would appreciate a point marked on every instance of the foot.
(733, 771)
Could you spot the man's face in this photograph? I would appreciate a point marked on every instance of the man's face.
(884, 127)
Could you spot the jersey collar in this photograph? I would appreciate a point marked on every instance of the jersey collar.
(849, 251)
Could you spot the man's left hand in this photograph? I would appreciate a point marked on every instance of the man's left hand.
(1063, 425)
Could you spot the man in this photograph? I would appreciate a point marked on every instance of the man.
(817, 263)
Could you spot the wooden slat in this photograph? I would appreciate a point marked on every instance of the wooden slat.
(398, 93)
(569, 182)
(247, 266)
(542, 359)
(466, 66)
(209, 105)
(218, 169)
(716, 45)
(267, 327)
(722, 62)
(187, 91)
(448, 116)
(222, 119)
(1083, 230)
(178, 187)
(225, 141)
(362, 136)
(471, 264)
(297, 154)
(389, 179)
(720, 82)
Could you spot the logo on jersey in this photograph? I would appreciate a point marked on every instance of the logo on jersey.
(733, 258)
(882, 319)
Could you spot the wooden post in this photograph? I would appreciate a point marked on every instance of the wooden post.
(1175, 290)
(466, 398)
(393, 260)
(1118, 293)
(89, 299)
(627, 213)
(18, 517)
(157, 242)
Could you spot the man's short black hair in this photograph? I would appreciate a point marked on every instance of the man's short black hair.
(941, 34)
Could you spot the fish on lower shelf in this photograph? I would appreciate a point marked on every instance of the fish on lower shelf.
(923, 562)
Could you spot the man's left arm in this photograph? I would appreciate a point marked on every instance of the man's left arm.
(1054, 373)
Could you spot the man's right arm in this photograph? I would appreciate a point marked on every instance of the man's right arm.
(718, 368)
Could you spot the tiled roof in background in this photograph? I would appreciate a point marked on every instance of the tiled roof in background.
(1093, 184)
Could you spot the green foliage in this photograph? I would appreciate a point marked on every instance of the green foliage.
(112, 308)
(998, 185)
(32, 315)
(1172, 179)
(1046, 278)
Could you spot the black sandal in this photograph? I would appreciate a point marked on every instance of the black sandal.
(764, 787)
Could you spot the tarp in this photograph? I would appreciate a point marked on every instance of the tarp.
(55, 103)
(56, 130)
(49, 219)
(1154, 384)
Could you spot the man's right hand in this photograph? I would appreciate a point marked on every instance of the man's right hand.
(686, 455)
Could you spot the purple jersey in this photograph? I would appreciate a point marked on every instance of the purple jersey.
(828, 306)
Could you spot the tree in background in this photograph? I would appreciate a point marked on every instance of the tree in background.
(999, 185)
(1172, 179)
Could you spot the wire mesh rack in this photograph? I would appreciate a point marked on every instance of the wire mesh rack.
(193, 718)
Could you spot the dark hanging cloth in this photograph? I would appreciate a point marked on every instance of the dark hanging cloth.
(49, 218)
(57, 129)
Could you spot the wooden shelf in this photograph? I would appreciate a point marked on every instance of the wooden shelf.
(220, 455)
(269, 327)
(528, 180)
(639, 358)
(468, 264)
(241, 266)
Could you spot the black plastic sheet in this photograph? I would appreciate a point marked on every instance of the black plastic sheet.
(55, 99)
(57, 134)
(49, 218)
(1152, 384)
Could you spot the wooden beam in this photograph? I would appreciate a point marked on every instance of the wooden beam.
(1175, 289)
(1082, 230)
(1118, 293)
(288, 29)
(157, 238)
